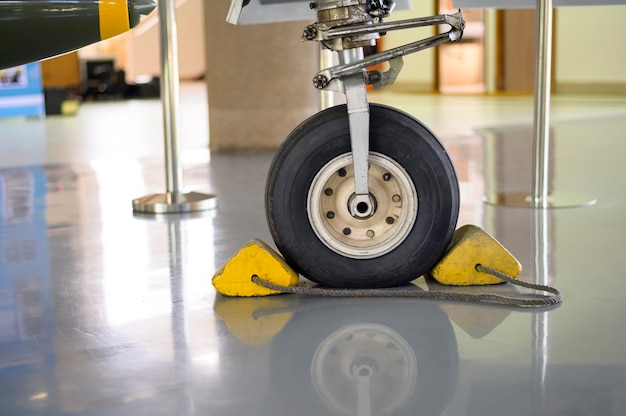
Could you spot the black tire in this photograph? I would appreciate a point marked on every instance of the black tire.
(403, 246)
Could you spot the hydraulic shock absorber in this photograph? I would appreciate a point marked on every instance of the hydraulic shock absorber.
(333, 14)
(346, 27)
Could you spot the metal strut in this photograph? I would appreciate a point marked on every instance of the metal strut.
(324, 77)
(351, 76)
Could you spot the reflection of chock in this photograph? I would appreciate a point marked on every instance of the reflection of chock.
(476, 321)
(255, 321)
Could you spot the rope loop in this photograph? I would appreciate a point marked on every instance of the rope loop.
(521, 300)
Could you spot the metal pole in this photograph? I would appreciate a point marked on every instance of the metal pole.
(326, 61)
(540, 272)
(491, 52)
(173, 201)
(541, 143)
(169, 96)
(541, 196)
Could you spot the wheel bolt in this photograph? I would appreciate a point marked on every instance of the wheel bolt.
(347, 231)
(396, 198)
(389, 220)
(328, 192)
(309, 33)
(330, 215)
(370, 233)
(341, 172)
(386, 177)
(320, 82)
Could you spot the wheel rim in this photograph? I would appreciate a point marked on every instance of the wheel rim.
(394, 196)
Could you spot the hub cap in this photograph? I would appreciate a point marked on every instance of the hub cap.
(356, 230)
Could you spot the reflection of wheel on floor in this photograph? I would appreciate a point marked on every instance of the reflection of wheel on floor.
(412, 184)
(388, 357)
(364, 366)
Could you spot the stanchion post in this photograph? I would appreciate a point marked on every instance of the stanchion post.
(541, 136)
(541, 197)
(170, 94)
(173, 201)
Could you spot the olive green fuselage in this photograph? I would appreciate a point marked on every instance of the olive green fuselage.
(31, 30)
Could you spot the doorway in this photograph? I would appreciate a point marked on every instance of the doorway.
(461, 65)
(496, 54)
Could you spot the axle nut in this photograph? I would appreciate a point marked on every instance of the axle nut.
(320, 82)
(309, 33)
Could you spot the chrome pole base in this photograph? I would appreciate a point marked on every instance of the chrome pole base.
(174, 202)
(554, 200)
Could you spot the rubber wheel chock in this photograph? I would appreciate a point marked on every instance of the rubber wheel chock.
(472, 246)
(234, 278)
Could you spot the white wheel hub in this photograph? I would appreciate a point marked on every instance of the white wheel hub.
(390, 216)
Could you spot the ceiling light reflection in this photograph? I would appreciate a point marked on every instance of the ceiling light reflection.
(135, 277)
(39, 396)
(210, 360)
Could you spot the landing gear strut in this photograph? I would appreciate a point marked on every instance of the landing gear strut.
(363, 195)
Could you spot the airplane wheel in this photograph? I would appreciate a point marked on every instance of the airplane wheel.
(401, 235)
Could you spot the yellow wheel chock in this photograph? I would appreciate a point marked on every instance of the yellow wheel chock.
(255, 258)
(472, 246)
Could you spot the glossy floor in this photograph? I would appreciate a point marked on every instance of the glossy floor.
(103, 312)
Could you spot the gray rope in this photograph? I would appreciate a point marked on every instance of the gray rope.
(523, 301)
